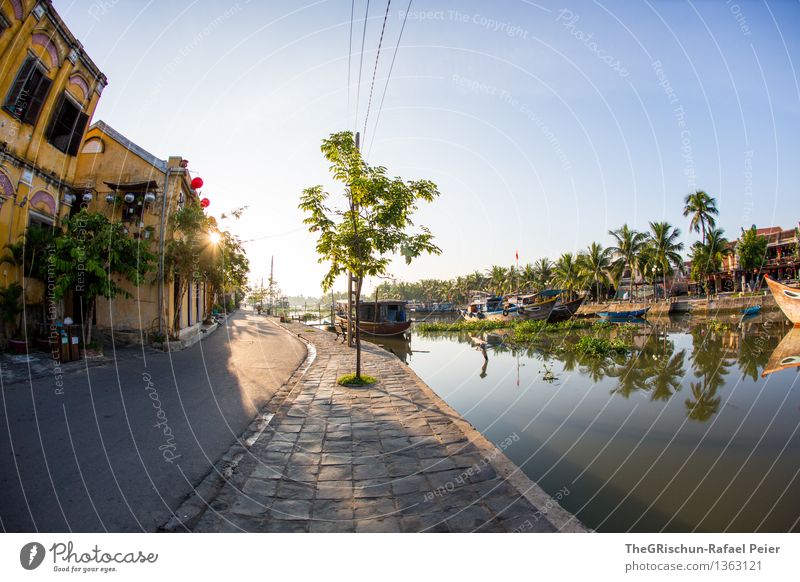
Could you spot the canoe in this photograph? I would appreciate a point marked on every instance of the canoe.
(623, 314)
(752, 310)
(786, 354)
(564, 311)
(787, 298)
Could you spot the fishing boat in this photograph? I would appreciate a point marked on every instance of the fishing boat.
(533, 306)
(623, 315)
(786, 354)
(491, 308)
(386, 317)
(787, 298)
(564, 309)
(751, 310)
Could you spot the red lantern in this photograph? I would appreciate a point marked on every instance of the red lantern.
(197, 183)
(205, 202)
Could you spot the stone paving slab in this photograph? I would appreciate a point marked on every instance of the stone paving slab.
(392, 457)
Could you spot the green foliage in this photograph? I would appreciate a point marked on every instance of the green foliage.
(11, 307)
(360, 238)
(93, 255)
(703, 210)
(600, 346)
(353, 380)
(751, 249)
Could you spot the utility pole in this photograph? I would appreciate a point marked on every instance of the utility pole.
(271, 284)
(351, 315)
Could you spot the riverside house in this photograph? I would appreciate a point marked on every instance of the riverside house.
(128, 184)
(49, 88)
(780, 262)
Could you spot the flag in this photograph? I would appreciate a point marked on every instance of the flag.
(517, 255)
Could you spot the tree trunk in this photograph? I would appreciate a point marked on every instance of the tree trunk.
(87, 332)
(357, 334)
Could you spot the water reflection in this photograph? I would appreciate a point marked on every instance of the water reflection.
(682, 434)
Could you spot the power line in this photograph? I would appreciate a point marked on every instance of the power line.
(389, 76)
(350, 55)
(361, 63)
(375, 70)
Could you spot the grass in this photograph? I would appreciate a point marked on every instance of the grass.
(353, 380)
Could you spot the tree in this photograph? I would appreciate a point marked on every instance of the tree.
(703, 210)
(566, 273)
(665, 249)
(543, 273)
(92, 256)
(596, 263)
(627, 250)
(750, 250)
(497, 278)
(707, 257)
(374, 224)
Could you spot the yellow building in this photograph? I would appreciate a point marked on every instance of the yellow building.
(120, 179)
(49, 88)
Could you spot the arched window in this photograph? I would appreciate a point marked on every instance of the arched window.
(93, 146)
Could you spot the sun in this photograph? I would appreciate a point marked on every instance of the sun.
(214, 237)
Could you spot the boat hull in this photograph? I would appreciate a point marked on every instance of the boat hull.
(385, 328)
(787, 298)
(565, 311)
(538, 311)
(623, 315)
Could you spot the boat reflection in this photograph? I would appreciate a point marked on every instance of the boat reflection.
(786, 355)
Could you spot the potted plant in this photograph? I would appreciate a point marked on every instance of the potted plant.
(10, 310)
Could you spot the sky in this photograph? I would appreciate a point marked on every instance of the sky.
(544, 124)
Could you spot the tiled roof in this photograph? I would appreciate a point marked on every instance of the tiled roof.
(129, 145)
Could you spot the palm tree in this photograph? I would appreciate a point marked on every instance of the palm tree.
(566, 273)
(703, 210)
(627, 250)
(543, 273)
(716, 248)
(665, 248)
(596, 262)
(496, 279)
(527, 276)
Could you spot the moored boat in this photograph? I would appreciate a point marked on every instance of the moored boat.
(786, 354)
(751, 310)
(787, 298)
(564, 310)
(622, 315)
(490, 308)
(378, 318)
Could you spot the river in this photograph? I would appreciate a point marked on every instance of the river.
(684, 434)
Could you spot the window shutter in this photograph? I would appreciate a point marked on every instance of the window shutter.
(37, 100)
(77, 134)
(54, 116)
(19, 84)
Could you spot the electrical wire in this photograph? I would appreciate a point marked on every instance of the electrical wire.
(375, 70)
(361, 63)
(350, 55)
(389, 76)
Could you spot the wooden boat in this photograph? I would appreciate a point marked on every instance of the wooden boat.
(786, 354)
(490, 308)
(618, 315)
(787, 298)
(378, 318)
(564, 310)
(751, 310)
(533, 306)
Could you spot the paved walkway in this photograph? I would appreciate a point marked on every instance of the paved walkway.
(389, 458)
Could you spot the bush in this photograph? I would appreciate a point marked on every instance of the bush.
(352, 380)
(600, 346)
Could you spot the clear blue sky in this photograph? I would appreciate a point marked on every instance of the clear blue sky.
(544, 124)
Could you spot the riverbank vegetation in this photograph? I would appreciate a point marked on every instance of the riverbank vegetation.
(650, 257)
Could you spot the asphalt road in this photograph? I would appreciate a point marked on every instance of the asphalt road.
(117, 447)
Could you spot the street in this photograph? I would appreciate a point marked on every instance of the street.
(117, 447)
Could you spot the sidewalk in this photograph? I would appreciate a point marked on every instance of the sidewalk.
(389, 458)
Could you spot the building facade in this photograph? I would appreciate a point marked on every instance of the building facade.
(128, 184)
(781, 261)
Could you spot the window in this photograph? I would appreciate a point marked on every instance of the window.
(93, 146)
(28, 92)
(67, 126)
(132, 211)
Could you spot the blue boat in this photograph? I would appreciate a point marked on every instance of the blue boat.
(623, 315)
(752, 310)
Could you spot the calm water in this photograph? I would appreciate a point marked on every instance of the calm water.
(684, 435)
